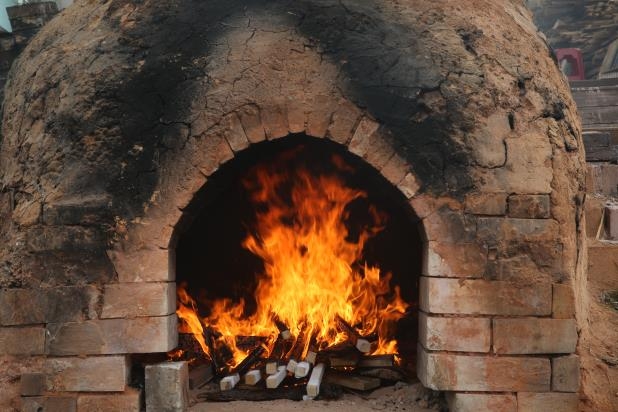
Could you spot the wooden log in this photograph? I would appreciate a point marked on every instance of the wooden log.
(376, 361)
(350, 381)
(387, 374)
(363, 345)
(315, 380)
(247, 343)
(229, 382)
(273, 381)
(291, 366)
(252, 358)
(210, 342)
(302, 369)
(343, 360)
(253, 376)
(200, 375)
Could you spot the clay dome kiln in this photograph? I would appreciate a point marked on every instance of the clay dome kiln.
(129, 128)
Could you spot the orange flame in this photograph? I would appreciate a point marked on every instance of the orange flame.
(311, 272)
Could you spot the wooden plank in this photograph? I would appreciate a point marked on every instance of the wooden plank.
(229, 382)
(252, 377)
(350, 381)
(315, 380)
(377, 361)
(273, 381)
(200, 375)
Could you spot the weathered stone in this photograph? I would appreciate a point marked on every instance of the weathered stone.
(529, 206)
(62, 304)
(234, 133)
(275, 121)
(534, 335)
(563, 302)
(487, 143)
(454, 334)
(594, 216)
(382, 149)
(409, 185)
(611, 221)
(361, 142)
(527, 170)
(454, 259)
(495, 228)
(79, 210)
(113, 336)
(22, 341)
(145, 265)
(319, 118)
(31, 384)
(209, 152)
(92, 374)
(395, 169)
(449, 372)
(543, 402)
(476, 402)
(487, 204)
(252, 123)
(602, 262)
(449, 226)
(127, 401)
(49, 404)
(483, 297)
(128, 300)
(565, 374)
(167, 387)
(296, 116)
(343, 122)
(602, 178)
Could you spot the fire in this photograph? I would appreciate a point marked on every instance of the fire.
(313, 268)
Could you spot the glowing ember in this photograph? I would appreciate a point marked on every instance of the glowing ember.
(313, 269)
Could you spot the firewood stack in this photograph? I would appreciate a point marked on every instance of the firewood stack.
(285, 373)
(590, 26)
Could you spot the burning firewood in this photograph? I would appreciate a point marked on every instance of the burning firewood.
(275, 380)
(246, 343)
(252, 358)
(313, 386)
(272, 367)
(377, 361)
(200, 375)
(284, 331)
(362, 344)
(302, 369)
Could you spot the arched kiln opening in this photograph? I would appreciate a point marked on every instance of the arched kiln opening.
(295, 233)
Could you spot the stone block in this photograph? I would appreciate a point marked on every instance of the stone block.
(611, 221)
(296, 116)
(275, 121)
(319, 118)
(343, 121)
(234, 133)
(127, 401)
(113, 336)
(543, 402)
(563, 301)
(602, 179)
(32, 384)
(594, 215)
(361, 142)
(534, 335)
(382, 149)
(167, 387)
(144, 265)
(486, 204)
(129, 300)
(565, 374)
(49, 404)
(252, 123)
(208, 152)
(409, 185)
(450, 372)
(493, 229)
(487, 143)
(454, 334)
(484, 297)
(395, 169)
(91, 374)
(454, 259)
(34, 306)
(449, 226)
(476, 402)
(602, 264)
(529, 206)
(22, 340)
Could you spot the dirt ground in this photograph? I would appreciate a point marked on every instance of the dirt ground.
(400, 397)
